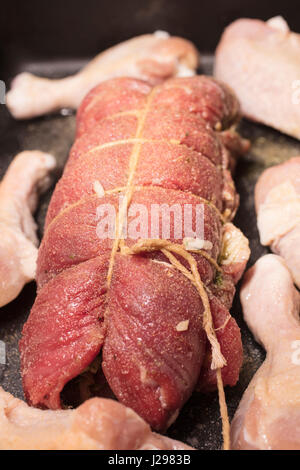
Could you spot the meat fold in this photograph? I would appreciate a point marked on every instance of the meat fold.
(98, 424)
(268, 415)
(142, 313)
(277, 201)
(151, 57)
(260, 62)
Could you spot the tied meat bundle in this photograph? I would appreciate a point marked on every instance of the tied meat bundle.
(141, 313)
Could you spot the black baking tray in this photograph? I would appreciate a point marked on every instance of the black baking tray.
(57, 38)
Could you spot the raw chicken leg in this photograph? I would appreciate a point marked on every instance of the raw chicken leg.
(25, 178)
(97, 424)
(260, 61)
(268, 416)
(277, 200)
(151, 57)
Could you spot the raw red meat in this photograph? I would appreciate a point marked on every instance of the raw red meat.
(174, 134)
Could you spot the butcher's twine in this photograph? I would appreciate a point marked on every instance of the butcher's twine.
(218, 360)
(169, 249)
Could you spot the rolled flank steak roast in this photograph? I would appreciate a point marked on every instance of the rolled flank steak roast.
(147, 313)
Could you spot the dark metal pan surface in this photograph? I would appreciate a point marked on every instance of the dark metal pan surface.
(199, 422)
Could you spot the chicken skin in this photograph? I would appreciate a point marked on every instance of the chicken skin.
(27, 176)
(260, 61)
(268, 416)
(98, 424)
(150, 57)
(277, 201)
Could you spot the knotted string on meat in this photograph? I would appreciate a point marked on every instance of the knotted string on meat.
(165, 145)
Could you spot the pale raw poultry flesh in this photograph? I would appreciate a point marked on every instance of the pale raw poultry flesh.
(260, 61)
(277, 200)
(150, 57)
(26, 177)
(98, 424)
(268, 417)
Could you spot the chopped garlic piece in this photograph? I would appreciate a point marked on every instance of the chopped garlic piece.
(235, 246)
(196, 244)
(163, 263)
(143, 374)
(98, 188)
(183, 325)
